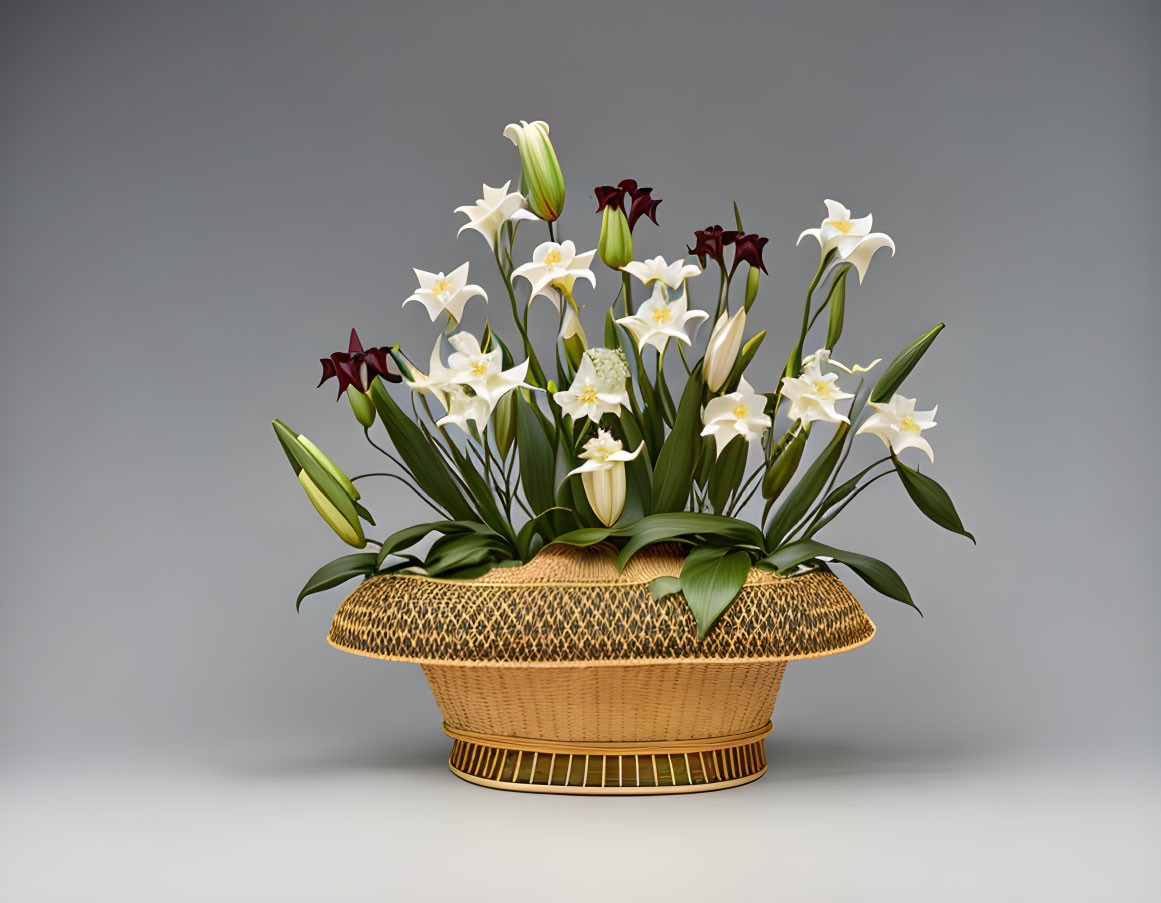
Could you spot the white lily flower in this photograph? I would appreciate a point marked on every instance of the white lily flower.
(592, 396)
(813, 394)
(488, 215)
(740, 413)
(483, 371)
(437, 379)
(823, 357)
(554, 268)
(899, 425)
(660, 319)
(722, 352)
(851, 239)
(603, 475)
(439, 293)
(463, 407)
(672, 274)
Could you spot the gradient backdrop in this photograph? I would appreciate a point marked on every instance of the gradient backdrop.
(198, 200)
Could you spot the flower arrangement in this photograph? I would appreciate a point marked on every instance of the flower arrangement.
(511, 459)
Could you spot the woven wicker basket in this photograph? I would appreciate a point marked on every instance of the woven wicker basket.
(565, 676)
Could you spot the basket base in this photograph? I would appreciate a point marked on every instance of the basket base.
(684, 766)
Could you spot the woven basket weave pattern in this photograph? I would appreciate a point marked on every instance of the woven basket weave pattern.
(571, 605)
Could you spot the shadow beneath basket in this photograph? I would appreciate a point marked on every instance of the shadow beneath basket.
(796, 760)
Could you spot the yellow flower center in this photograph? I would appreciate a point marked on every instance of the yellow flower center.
(552, 258)
(662, 315)
(480, 367)
(822, 387)
(588, 395)
(908, 425)
(444, 285)
(843, 225)
(741, 412)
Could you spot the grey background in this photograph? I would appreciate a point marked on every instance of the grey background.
(199, 200)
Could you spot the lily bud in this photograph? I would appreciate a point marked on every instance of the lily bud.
(350, 533)
(362, 405)
(752, 278)
(573, 335)
(724, 343)
(543, 180)
(605, 490)
(616, 243)
(329, 466)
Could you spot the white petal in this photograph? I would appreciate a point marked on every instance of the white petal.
(816, 234)
(861, 255)
(835, 210)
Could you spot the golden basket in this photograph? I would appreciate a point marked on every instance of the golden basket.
(565, 676)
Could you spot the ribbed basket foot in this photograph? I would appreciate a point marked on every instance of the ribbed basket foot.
(686, 766)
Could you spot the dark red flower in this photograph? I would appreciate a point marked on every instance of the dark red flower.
(711, 243)
(627, 197)
(748, 248)
(356, 367)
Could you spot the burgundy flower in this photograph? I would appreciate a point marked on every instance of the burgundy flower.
(627, 197)
(748, 248)
(356, 367)
(711, 242)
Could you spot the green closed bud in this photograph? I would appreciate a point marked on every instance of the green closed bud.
(327, 487)
(329, 466)
(350, 533)
(503, 424)
(752, 286)
(616, 243)
(362, 405)
(543, 182)
(573, 337)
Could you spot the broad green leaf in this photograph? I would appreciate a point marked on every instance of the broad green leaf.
(409, 536)
(705, 461)
(536, 458)
(673, 474)
(680, 526)
(661, 587)
(930, 498)
(878, 575)
(421, 459)
(638, 473)
(806, 490)
(903, 364)
(585, 536)
(462, 550)
(524, 544)
(727, 472)
(838, 303)
(711, 578)
(338, 571)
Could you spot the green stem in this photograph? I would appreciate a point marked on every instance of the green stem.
(627, 290)
(534, 364)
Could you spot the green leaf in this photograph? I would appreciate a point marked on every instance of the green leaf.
(463, 550)
(482, 496)
(612, 338)
(338, 571)
(673, 474)
(663, 397)
(838, 303)
(711, 578)
(638, 473)
(524, 537)
(903, 364)
(661, 587)
(727, 472)
(930, 498)
(421, 458)
(365, 514)
(878, 575)
(409, 536)
(536, 458)
(682, 525)
(806, 490)
(585, 536)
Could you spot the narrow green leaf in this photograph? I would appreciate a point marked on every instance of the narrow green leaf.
(711, 578)
(536, 458)
(903, 364)
(806, 490)
(661, 587)
(585, 536)
(483, 498)
(838, 304)
(673, 474)
(422, 460)
(782, 467)
(638, 473)
(727, 472)
(744, 357)
(409, 536)
(338, 571)
(612, 337)
(878, 575)
(930, 498)
(663, 398)
(463, 550)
